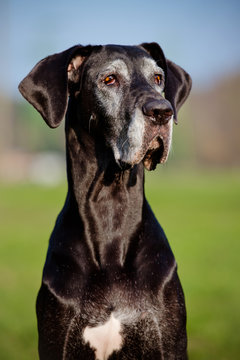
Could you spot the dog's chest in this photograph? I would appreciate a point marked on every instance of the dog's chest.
(127, 331)
(104, 339)
(131, 333)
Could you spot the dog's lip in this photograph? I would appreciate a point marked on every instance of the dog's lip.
(158, 148)
(155, 149)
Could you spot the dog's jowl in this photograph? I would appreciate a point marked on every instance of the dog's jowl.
(110, 288)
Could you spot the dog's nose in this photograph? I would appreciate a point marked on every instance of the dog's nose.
(159, 110)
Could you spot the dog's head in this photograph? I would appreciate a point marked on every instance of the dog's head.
(125, 96)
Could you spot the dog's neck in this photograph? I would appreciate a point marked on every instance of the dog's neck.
(109, 201)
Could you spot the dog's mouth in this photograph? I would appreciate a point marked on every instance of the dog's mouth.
(158, 148)
(154, 154)
(154, 149)
(157, 152)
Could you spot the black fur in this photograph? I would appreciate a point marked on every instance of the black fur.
(107, 253)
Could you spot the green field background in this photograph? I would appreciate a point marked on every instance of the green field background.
(200, 213)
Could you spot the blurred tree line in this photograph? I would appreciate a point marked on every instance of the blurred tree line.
(26, 130)
(208, 132)
(217, 123)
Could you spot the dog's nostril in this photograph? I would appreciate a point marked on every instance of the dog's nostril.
(168, 113)
(159, 110)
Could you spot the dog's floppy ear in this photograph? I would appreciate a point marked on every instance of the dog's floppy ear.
(178, 86)
(177, 82)
(46, 86)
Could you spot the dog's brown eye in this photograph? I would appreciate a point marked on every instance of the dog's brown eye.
(109, 80)
(158, 79)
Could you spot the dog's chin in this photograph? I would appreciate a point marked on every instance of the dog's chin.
(156, 153)
(124, 165)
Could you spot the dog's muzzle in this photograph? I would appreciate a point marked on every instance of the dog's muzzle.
(148, 137)
(158, 132)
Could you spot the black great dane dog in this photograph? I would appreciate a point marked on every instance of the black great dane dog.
(110, 288)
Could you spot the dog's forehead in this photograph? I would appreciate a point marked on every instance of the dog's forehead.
(125, 50)
(123, 59)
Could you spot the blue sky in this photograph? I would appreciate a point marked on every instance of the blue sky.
(201, 36)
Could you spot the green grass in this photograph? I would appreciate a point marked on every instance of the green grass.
(27, 216)
(201, 217)
(200, 214)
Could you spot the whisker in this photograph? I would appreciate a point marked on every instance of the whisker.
(124, 143)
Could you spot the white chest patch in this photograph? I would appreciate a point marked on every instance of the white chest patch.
(104, 339)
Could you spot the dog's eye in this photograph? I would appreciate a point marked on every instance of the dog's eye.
(158, 79)
(110, 80)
